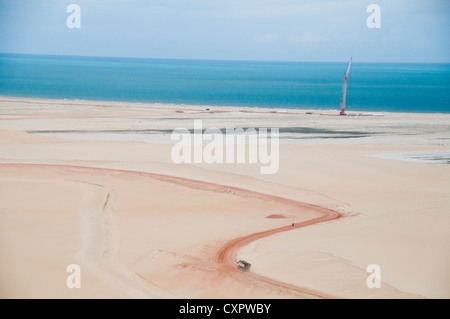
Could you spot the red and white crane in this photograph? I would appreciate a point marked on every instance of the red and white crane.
(344, 89)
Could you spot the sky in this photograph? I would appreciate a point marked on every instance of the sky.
(272, 30)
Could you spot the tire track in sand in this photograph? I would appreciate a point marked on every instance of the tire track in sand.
(226, 256)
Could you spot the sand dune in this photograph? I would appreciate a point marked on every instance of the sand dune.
(141, 226)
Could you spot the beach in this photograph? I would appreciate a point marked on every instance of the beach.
(92, 183)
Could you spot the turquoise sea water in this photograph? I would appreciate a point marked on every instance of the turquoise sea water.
(371, 86)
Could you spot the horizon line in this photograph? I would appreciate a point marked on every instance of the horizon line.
(211, 59)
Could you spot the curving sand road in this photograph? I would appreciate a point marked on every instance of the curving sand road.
(226, 255)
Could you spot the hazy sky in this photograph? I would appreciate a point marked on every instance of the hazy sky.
(284, 30)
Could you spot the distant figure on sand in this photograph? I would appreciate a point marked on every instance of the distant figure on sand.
(292, 224)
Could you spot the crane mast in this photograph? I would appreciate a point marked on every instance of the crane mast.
(344, 89)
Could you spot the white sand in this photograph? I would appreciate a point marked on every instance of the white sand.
(85, 183)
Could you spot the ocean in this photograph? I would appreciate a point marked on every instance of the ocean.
(379, 87)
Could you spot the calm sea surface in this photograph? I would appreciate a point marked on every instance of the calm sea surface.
(371, 86)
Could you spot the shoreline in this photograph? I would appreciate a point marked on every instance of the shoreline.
(265, 109)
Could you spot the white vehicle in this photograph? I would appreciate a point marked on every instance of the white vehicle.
(242, 264)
